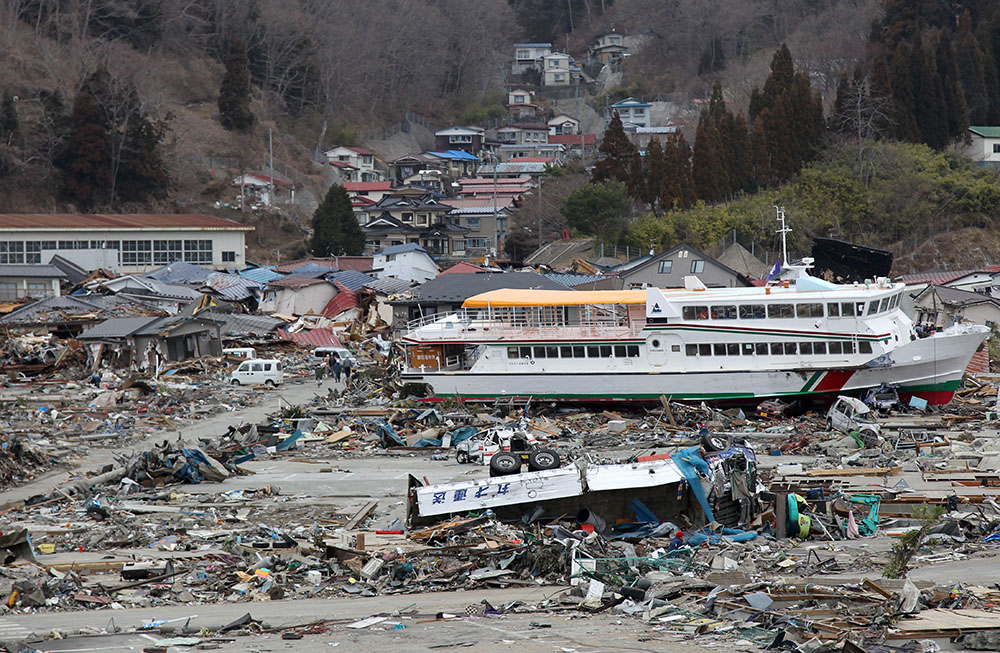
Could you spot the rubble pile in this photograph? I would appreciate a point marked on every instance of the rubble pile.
(771, 527)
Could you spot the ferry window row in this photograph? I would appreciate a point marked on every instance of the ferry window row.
(779, 348)
(781, 311)
(574, 351)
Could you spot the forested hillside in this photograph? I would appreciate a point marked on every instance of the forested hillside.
(155, 104)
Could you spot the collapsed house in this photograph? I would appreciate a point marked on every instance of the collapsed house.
(146, 343)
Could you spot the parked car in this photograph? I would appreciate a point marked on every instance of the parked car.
(848, 414)
(258, 371)
(240, 352)
(339, 353)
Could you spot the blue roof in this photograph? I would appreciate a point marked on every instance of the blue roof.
(631, 102)
(399, 249)
(351, 279)
(311, 271)
(261, 275)
(455, 154)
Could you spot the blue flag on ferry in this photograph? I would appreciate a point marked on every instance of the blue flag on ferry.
(775, 271)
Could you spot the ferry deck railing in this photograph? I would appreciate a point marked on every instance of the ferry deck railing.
(532, 326)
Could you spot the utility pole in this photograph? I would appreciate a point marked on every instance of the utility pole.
(270, 147)
(539, 225)
(496, 225)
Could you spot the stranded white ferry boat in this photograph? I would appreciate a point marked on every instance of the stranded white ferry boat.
(801, 339)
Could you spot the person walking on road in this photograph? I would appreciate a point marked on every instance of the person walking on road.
(335, 368)
(348, 368)
(320, 371)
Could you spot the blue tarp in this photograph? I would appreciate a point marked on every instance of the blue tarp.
(690, 462)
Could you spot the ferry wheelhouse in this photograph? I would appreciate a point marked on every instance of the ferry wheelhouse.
(803, 339)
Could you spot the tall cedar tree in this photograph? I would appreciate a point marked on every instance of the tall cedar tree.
(143, 174)
(87, 174)
(655, 169)
(617, 151)
(8, 118)
(972, 72)
(677, 188)
(790, 118)
(336, 231)
(234, 93)
(931, 112)
(954, 99)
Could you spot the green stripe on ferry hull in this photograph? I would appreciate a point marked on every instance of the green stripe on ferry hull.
(812, 380)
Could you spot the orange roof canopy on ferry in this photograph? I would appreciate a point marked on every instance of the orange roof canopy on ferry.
(514, 297)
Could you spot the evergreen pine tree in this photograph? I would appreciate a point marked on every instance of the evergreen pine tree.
(971, 71)
(616, 150)
(703, 163)
(336, 231)
(86, 169)
(956, 112)
(685, 173)
(636, 183)
(143, 174)
(655, 171)
(931, 113)
(740, 164)
(903, 95)
(779, 82)
(671, 194)
(8, 118)
(234, 93)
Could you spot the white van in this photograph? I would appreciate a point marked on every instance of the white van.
(240, 352)
(339, 353)
(258, 371)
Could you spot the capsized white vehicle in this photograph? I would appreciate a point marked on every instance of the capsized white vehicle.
(850, 414)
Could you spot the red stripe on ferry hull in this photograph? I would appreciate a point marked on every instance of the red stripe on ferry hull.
(833, 381)
(932, 397)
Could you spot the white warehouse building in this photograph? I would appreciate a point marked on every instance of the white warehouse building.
(123, 243)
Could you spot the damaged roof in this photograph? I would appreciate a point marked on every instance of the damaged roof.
(121, 327)
(351, 279)
(238, 324)
(180, 272)
(456, 288)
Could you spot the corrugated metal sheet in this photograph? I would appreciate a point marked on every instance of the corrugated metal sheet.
(351, 279)
(261, 275)
(389, 285)
(572, 280)
(321, 337)
(74, 221)
(180, 272)
(233, 287)
(342, 301)
(310, 270)
(238, 324)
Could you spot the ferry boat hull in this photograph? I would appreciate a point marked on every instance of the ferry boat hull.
(723, 358)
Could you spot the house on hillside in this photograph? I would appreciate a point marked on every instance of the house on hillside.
(409, 262)
(438, 239)
(467, 139)
(575, 144)
(528, 56)
(421, 212)
(523, 135)
(984, 145)
(256, 190)
(561, 124)
(521, 103)
(641, 137)
(668, 269)
(485, 223)
(609, 48)
(354, 164)
(556, 69)
(632, 112)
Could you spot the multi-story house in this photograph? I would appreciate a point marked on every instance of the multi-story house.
(467, 139)
(632, 112)
(354, 164)
(528, 56)
(556, 69)
(523, 134)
